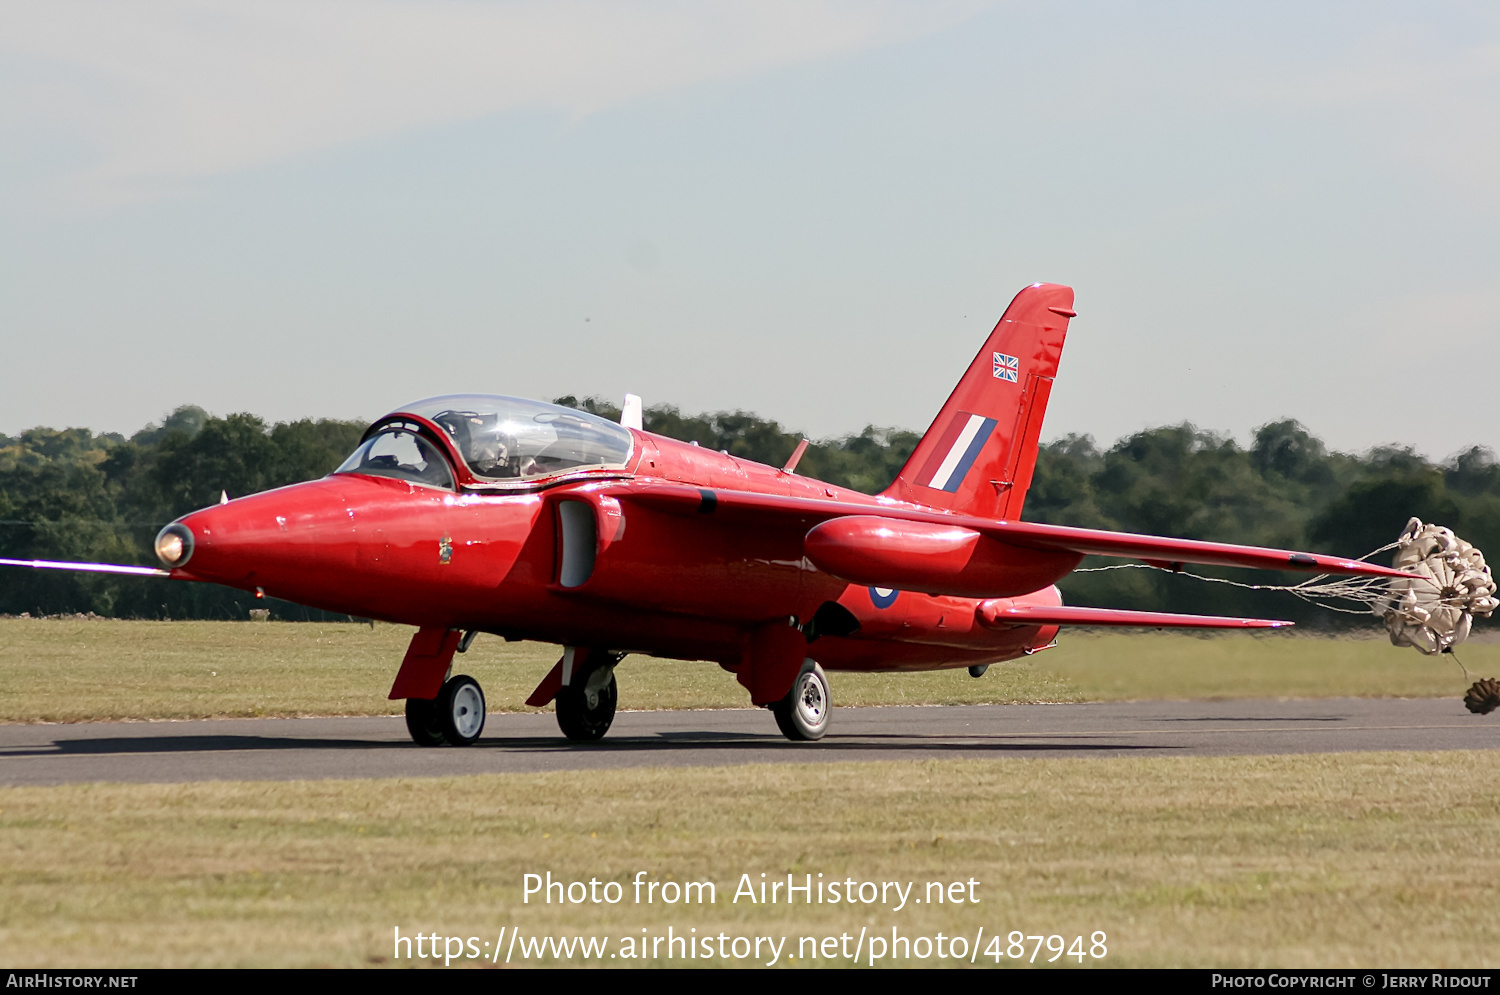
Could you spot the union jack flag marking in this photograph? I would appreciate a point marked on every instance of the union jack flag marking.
(1007, 367)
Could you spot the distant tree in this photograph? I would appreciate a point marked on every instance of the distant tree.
(55, 503)
(1062, 487)
(307, 449)
(70, 494)
(1394, 484)
(187, 420)
(1286, 450)
(1473, 472)
(866, 462)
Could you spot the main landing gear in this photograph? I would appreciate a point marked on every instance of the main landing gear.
(585, 709)
(455, 716)
(803, 714)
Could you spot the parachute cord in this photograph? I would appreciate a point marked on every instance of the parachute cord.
(1311, 590)
(1429, 607)
(1370, 591)
(1467, 676)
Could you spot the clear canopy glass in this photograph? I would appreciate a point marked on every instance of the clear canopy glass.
(398, 451)
(511, 439)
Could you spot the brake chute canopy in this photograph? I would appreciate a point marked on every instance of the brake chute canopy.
(1434, 610)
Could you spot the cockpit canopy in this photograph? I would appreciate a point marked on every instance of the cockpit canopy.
(501, 439)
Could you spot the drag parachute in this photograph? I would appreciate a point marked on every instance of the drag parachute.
(1435, 610)
(1431, 611)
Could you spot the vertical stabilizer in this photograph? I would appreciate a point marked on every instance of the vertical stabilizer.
(978, 456)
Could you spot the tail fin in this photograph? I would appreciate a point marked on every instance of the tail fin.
(978, 456)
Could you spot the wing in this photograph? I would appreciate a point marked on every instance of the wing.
(886, 543)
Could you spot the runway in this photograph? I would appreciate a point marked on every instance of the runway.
(318, 748)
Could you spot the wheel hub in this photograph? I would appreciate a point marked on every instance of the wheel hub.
(468, 715)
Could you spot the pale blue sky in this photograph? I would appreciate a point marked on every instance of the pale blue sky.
(812, 210)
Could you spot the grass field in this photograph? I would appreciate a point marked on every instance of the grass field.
(1336, 860)
(1343, 860)
(63, 670)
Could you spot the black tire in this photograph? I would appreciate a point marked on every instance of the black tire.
(584, 717)
(461, 710)
(978, 669)
(422, 722)
(803, 714)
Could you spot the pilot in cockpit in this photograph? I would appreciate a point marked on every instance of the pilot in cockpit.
(489, 455)
(486, 449)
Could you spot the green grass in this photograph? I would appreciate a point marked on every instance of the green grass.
(1331, 860)
(1306, 861)
(67, 670)
(1119, 666)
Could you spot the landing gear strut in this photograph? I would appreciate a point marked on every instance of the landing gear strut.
(803, 714)
(455, 716)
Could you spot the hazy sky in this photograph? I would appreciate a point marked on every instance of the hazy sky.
(811, 209)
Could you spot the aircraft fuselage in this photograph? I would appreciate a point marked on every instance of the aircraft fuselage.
(688, 585)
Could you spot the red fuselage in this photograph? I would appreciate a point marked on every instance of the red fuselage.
(679, 582)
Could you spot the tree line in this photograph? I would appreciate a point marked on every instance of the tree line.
(71, 494)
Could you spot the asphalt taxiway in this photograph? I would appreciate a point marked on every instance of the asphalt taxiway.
(316, 748)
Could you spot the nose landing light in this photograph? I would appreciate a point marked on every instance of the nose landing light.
(174, 545)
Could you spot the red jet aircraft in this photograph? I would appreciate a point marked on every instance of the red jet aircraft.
(476, 513)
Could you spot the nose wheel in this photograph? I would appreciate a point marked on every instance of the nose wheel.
(803, 714)
(455, 716)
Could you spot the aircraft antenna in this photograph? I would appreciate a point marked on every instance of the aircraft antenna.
(791, 464)
(630, 413)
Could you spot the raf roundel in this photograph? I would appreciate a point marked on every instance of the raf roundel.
(883, 597)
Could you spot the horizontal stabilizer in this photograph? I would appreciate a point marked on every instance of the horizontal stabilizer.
(98, 568)
(1002, 614)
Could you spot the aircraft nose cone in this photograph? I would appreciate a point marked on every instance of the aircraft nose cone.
(174, 545)
(264, 539)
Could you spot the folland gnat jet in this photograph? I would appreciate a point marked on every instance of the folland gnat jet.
(472, 514)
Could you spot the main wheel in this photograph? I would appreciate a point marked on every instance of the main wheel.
(803, 714)
(585, 712)
(461, 710)
(422, 722)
